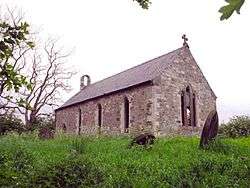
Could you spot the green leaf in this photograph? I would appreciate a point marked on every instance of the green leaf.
(144, 3)
(228, 10)
(21, 102)
(3, 46)
(4, 25)
(31, 44)
(9, 40)
(29, 86)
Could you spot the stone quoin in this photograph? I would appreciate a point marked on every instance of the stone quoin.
(164, 96)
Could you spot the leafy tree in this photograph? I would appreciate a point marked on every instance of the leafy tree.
(15, 42)
(226, 11)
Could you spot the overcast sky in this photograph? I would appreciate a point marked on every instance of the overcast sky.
(109, 36)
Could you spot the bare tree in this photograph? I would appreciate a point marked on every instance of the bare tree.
(49, 79)
(42, 71)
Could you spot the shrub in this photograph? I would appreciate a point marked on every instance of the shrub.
(45, 126)
(10, 123)
(45, 121)
(46, 133)
(236, 127)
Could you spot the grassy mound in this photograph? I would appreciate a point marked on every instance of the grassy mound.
(26, 161)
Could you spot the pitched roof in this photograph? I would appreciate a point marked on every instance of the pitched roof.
(136, 75)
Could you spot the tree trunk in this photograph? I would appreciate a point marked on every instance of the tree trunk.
(30, 120)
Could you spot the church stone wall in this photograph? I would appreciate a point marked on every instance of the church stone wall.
(140, 105)
(183, 72)
(154, 107)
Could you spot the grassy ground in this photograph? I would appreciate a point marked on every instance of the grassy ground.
(108, 162)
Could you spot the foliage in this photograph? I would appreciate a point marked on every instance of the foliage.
(48, 75)
(218, 146)
(236, 127)
(14, 36)
(42, 70)
(144, 3)
(226, 11)
(77, 146)
(68, 173)
(15, 166)
(44, 122)
(10, 122)
(107, 162)
(21, 160)
(46, 127)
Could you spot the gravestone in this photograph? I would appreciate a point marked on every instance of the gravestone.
(46, 133)
(210, 129)
(143, 139)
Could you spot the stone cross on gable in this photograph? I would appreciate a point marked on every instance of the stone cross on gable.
(185, 39)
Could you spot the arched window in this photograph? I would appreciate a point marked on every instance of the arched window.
(64, 128)
(188, 117)
(183, 106)
(99, 115)
(194, 109)
(79, 121)
(188, 107)
(126, 115)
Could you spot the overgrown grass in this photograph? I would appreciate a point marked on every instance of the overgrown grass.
(108, 162)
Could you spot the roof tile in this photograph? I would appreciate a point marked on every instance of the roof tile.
(136, 75)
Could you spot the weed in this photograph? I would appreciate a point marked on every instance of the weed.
(107, 162)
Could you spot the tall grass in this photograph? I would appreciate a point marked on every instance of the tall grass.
(108, 162)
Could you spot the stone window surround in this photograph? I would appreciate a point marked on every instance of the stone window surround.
(122, 114)
(99, 115)
(79, 121)
(64, 128)
(194, 101)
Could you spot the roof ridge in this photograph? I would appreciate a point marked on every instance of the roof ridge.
(123, 79)
(134, 67)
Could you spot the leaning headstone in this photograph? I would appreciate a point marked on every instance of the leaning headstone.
(210, 129)
(143, 139)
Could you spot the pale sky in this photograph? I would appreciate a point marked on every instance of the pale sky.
(109, 36)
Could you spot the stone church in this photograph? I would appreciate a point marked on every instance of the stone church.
(166, 95)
